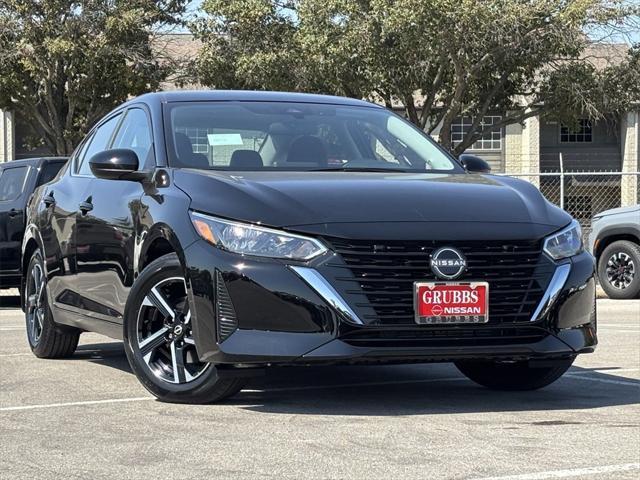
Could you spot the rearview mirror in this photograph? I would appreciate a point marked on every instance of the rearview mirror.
(116, 164)
(474, 164)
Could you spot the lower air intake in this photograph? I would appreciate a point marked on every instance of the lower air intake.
(225, 313)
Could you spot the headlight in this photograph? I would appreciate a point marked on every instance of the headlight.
(249, 239)
(565, 243)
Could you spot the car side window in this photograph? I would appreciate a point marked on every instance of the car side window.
(12, 183)
(48, 172)
(99, 142)
(135, 134)
(79, 152)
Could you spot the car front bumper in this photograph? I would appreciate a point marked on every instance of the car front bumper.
(255, 312)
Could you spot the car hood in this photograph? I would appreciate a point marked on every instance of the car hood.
(619, 211)
(314, 201)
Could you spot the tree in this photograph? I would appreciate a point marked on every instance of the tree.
(436, 59)
(66, 63)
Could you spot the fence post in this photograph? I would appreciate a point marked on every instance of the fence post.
(561, 182)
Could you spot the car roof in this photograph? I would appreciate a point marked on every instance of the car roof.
(32, 161)
(246, 96)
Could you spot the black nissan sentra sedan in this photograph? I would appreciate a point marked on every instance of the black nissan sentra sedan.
(220, 232)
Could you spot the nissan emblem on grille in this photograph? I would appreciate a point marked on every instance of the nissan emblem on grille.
(448, 263)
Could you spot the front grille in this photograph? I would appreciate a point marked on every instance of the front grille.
(377, 277)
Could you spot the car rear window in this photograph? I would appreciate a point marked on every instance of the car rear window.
(12, 183)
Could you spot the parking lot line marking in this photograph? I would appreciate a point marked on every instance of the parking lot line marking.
(603, 370)
(591, 371)
(6, 329)
(284, 389)
(574, 375)
(620, 330)
(75, 404)
(16, 355)
(574, 472)
(633, 382)
(630, 325)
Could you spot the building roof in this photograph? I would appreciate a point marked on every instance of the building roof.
(177, 50)
(603, 55)
(181, 48)
(177, 46)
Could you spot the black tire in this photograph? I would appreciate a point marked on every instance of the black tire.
(46, 338)
(619, 270)
(156, 367)
(514, 376)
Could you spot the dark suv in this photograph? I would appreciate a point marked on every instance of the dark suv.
(221, 232)
(18, 179)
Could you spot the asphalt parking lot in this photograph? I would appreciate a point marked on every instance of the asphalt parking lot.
(87, 417)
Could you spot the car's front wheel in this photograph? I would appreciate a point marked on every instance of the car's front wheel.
(619, 270)
(521, 375)
(159, 341)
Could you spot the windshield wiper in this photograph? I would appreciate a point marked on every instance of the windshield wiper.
(358, 169)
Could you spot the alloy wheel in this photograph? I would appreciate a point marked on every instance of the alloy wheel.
(165, 337)
(620, 270)
(35, 303)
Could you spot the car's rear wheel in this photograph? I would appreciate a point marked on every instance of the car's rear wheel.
(46, 338)
(619, 270)
(514, 375)
(159, 341)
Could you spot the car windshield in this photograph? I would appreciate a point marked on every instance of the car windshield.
(297, 136)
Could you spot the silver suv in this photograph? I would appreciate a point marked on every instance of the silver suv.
(615, 243)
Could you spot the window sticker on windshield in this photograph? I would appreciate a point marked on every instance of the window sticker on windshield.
(218, 139)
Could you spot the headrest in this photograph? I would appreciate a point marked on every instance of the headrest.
(245, 160)
(307, 149)
(183, 145)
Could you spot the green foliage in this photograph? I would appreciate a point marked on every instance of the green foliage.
(244, 46)
(437, 59)
(65, 63)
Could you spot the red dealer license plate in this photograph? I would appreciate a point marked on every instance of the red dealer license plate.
(451, 302)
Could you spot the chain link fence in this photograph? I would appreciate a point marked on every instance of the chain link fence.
(585, 194)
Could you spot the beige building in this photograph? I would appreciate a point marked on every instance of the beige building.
(7, 136)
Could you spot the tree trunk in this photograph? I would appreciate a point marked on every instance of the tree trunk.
(410, 108)
(456, 104)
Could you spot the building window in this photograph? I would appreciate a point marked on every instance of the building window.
(198, 137)
(220, 153)
(582, 134)
(489, 141)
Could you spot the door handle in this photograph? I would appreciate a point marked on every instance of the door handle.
(49, 200)
(85, 207)
(14, 213)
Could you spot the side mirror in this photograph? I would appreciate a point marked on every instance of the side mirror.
(116, 164)
(474, 164)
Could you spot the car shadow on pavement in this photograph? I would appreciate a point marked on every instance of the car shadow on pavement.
(419, 389)
(9, 301)
(427, 389)
(109, 354)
